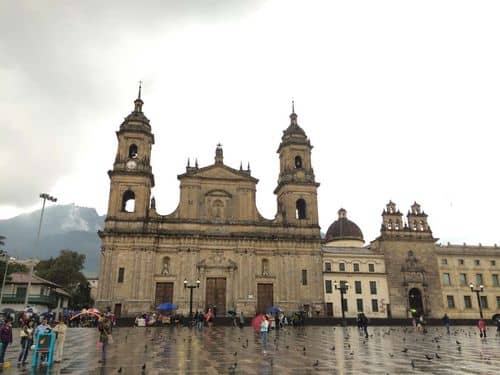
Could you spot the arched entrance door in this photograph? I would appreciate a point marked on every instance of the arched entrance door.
(415, 301)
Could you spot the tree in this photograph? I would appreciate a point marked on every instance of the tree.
(66, 270)
(13, 267)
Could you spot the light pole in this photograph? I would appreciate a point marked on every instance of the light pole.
(342, 286)
(477, 291)
(45, 197)
(8, 259)
(191, 287)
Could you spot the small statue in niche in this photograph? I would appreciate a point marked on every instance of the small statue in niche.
(165, 271)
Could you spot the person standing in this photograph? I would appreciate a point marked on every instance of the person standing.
(104, 327)
(242, 319)
(482, 327)
(60, 330)
(5, 338)
(498, 326)
(26, 335)
(446, 322)
(264, 329)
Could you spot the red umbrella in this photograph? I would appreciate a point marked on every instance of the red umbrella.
(256, 321)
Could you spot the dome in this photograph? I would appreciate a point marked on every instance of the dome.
(343, 229)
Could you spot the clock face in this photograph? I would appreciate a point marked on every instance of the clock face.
(131, 164)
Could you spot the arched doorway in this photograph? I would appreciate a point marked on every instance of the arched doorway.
(415, 301)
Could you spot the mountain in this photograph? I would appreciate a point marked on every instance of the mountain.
(64, 227)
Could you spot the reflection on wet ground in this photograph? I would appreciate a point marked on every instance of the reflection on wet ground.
(302, 350)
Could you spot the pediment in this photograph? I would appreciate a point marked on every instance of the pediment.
(220, 172)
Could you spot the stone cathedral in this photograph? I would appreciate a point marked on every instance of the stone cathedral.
(216, 235)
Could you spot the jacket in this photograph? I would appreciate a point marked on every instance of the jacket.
(6, 334)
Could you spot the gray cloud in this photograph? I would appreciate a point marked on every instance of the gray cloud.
(54, 67)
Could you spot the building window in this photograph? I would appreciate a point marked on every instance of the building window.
(359, 304)
(494, 279)
(446, 279)
(371, 267)
(460, 262)
(484, 301)
(304, 277)
(328, 267)
(498, 302)
(329, 309)
(444, 261)
(373, 287)
(132, 151)
(298, 162)
(300, 209)
(463, 279)
(344, 304)
(451, 302)
(493, 262)
(479, 279)
(357, 287)
(467, 302)
(342, 267)
(328, 286)
(128, 201)
(374, 305)
(477, 262)
(121, 274)
(356, 267)
(265, 267)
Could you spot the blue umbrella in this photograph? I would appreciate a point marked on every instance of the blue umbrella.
(166, 306)
(273, 310)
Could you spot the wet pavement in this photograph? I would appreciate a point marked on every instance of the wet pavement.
(299, 350)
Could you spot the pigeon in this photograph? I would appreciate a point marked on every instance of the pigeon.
(437, 356)
(391, 355)
(288, 347)
(143, 367)
(458, 342)
(412, 363)
(459, 348)
(233, 366)
(119, 370)
(404, 350)
(429, 357)
(333, 347)
(316, 364)
(235, 354)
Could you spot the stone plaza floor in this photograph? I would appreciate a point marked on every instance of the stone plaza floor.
(294, 350)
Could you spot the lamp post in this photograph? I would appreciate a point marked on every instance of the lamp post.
(191, 287)
(8, 259)
(343, 287)
(478, 290)
(45, 197)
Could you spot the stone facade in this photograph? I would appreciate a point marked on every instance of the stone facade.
(216, 235)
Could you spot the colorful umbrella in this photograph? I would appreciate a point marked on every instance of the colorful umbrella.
(256, 321)
(273, 310)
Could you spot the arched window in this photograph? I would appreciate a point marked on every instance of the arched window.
(132, 151)
(300, 209)
(298, 162)
(421, 226)
(265, 267)
(128, 202)
(165, 266)
(389, 224)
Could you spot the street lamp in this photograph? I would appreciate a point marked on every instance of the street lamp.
(45, 197)
(343, 287)
(8, 259)
(191, 287)
(478, 290)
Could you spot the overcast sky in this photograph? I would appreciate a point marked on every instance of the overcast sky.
(400, 100)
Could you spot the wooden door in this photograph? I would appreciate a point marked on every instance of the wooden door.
(216, 295)
(264, 297)
(118, 310)
(164, 293)
(329, 309)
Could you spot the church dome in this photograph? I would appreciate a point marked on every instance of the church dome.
(343, 229)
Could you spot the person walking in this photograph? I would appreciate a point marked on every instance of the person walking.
(5, 338)
(498, 326)
(264, 329)
(60, 330)
(364, 324)
(200, 320)
(104, 327)
(26, 335)
(242, 319)
(446, 322)
(482, 327)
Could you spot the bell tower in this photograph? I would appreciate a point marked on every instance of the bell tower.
(297, 188)
(131, 176)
